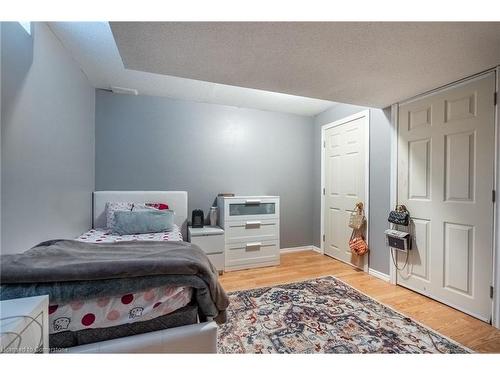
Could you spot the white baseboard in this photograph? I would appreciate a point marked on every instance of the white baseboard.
(317, 249)
(295, 249)
(371, 271)
(301, 248)
(379, 274)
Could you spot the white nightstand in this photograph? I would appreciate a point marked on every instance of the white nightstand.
(24, 325)
(211, 241)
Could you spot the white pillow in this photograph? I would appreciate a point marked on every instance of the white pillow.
(111, 207)
(142, 207)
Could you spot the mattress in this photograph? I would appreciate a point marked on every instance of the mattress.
(105, 235)
(84, 321)
(184, 316)
(128, 308)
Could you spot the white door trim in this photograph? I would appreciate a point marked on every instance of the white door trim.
(394, 180)
(496, 217)
(496, 212)
(366, 115)
(454, 84)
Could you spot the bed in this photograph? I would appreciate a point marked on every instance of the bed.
(134, 321)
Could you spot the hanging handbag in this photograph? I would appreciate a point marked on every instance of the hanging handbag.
(357, 217)
(357, 244)
(400, 216)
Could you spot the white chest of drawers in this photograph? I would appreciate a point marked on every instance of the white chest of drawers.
(24, 325)
(252, 228)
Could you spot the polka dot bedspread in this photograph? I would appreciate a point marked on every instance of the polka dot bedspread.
(105, 236)
(117, 310)
(112, 311)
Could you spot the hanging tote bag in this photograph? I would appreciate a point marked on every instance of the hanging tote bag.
(357, 217)
(357, 244)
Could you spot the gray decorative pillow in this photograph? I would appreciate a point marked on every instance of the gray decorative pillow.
(111, 207)
(143, 221)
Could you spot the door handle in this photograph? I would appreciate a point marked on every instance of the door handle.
(253, 224)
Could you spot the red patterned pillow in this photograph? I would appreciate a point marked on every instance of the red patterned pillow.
(150, 206)
(158, 206)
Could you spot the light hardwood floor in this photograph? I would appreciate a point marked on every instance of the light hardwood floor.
(469, 331)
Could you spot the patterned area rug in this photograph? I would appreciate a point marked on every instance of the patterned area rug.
(322, 315)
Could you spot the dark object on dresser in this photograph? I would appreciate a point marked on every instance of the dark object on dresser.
(197, 219)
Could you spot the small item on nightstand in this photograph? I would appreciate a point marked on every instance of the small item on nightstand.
(197, 219)
(213, 216)
(225, 195)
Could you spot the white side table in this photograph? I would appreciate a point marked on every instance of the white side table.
(211, 241)
(24, 325)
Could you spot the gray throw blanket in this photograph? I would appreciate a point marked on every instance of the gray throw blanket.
(68, 270)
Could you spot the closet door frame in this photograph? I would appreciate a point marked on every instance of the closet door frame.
(496, 214)
(362, 114)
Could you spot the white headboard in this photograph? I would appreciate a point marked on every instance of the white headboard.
(176, 200)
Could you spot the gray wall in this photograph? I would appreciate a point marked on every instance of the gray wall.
(145, 142)
(47, 137)
(380, 167)
(47, 153)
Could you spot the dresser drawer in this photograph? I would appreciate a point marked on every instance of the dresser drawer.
(249, 208)
(209, 244)
(251, 230)
(252, 254)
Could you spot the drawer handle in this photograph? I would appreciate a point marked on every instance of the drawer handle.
(254, 246)
(252, 201)
(252, 224)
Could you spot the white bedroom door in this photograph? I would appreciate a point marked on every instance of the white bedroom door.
(344, 183)
(446, 156)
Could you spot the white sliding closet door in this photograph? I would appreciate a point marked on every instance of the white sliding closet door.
(446, 155)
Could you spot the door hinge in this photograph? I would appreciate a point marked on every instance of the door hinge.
(324, 191)
(324, 143)
(323, 238)
(491, 291)
(495, 98)
(493, 195)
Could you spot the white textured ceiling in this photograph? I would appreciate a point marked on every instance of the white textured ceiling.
(372, 64)
(92, 45)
